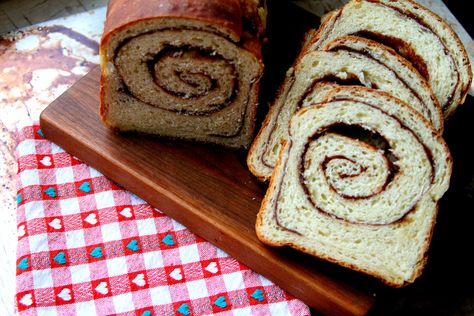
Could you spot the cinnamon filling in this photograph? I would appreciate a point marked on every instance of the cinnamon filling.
(406, 51)
(357, 132)
(373, 139)
(403, 48)
(365, 53)
(191, 80)
(350, 80)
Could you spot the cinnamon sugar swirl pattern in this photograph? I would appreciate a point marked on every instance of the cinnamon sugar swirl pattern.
(183, 69)
(348, 61)
(358, 182)
(354, 139)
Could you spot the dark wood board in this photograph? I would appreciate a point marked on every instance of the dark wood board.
(207, 189)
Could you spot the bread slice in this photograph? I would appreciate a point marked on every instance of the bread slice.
(368, 207)
(414, 32)
(350, 61)
(183, 69)
(426, 102)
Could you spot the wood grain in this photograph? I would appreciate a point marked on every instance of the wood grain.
(207, 189)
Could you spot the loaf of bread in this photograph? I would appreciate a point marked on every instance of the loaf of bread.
(348, 60)
(185, 69)
(357, 183)
(415, 33)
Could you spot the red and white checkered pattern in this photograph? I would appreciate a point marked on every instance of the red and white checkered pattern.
(86, 246)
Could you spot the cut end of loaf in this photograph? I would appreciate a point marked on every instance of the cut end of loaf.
(182, 77)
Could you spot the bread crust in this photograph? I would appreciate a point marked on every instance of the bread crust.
(326, 20)
(266, 198)
(266, 122)
(226, 14)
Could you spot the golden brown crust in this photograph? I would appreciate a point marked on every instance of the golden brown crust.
(290, 74)
(103, 105)
(226, 14)
(255, 143)
(231, 17)
(326, 20)
(267, 196)
(424, 254)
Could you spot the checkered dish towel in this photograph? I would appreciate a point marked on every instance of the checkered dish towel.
(86, 246)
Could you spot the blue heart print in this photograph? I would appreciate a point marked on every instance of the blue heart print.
(133, 245)
(184, 309)
(220, 302)
(168, 240)
(96, 253)
(85, 187)
(51, 192)
(23, 264)
(258, 295)
(60, 258)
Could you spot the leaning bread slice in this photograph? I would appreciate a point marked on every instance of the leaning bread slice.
(373, 66)
(414, 32)
(365, 207)
(427, 103)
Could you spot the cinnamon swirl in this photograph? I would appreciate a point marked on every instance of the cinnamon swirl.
(416, 33)
(348, 61)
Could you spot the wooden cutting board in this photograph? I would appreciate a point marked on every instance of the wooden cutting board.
(207, 189)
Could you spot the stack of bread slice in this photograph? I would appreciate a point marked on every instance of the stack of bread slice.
(353, 142)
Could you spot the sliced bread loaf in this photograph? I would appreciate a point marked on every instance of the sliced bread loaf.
(350, 61)
(415, 33)
(183, 69)
(369, 206)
